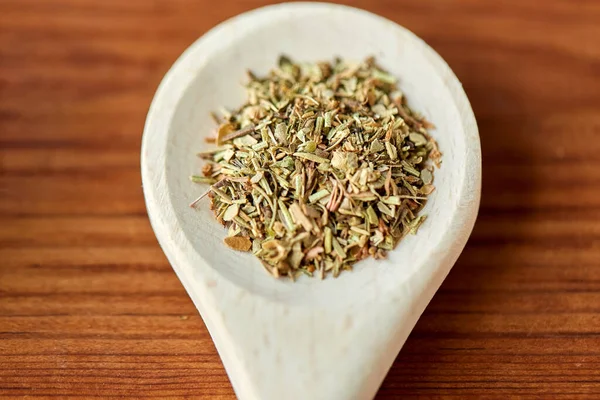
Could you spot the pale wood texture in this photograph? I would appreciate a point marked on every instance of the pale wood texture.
(297, 334)
(90, 307)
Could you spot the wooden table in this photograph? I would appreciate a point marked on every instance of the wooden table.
(89, 306)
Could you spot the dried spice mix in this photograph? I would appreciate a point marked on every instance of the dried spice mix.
(323, 166)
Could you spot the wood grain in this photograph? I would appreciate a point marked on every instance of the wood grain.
(89, 306)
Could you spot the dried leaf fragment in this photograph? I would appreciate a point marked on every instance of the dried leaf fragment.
(231, 212)
(239, 243)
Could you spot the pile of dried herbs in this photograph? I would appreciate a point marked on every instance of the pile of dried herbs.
(323, 166)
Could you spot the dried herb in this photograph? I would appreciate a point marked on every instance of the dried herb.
(240, 243)
(323, 166)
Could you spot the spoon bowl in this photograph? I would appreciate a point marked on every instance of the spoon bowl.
(309, 339)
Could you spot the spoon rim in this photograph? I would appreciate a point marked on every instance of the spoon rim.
(176, 81)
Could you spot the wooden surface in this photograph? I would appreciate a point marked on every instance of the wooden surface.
(89, 307)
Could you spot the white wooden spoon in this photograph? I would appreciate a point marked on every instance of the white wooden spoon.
(312, 339)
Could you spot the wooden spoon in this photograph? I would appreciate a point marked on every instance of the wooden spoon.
(312, 339)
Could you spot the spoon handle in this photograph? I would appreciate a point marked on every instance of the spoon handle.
(273, 350)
